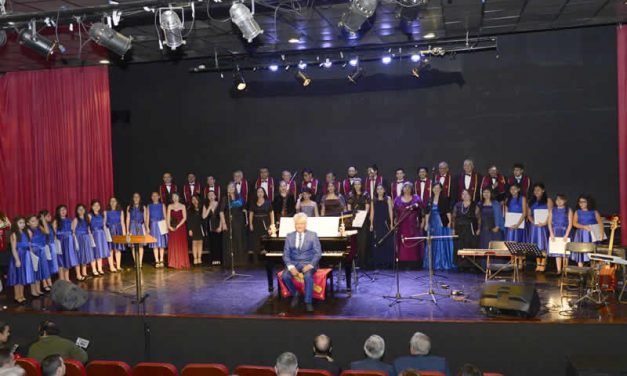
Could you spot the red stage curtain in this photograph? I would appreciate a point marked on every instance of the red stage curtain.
(55, 139)
(621, 48)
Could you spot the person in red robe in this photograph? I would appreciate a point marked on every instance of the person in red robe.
(494, 181)
(309, 181)
(191, 188)
(330, 178)
(241, 185)
(287, 177)
(446, 181)
(167, 188)
(347, 184)
(266, 182)
(422, 185)
(373, 180)
(519, 178)
(397, 185)
(469, 180)
(212, 186)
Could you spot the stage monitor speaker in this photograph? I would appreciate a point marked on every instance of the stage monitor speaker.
(509, 299)
(68, 296)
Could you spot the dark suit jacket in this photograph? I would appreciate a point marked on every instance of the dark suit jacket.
(322, 363)
(372, 365)
(422, 363)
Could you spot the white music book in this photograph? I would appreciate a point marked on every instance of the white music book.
(558, 246)
(47, 252)
(360, 218)
(163, 227)
(57, 245)
(108, 235)
(540, 216)
(597, 233)
(511, 219)
(92, 241)
(35, 261)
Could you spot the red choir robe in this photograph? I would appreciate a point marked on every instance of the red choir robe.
(325, 187)
(270, 192)
(347, 186)
(378, 180)
(473, 188)
(314, 186)
(393, 188)
(243, 191)
(486, 182)
(216, 190)
(426, 195)
(187, 191)
(525, 184)
(445, 181)
(166, 197)
(292, 187)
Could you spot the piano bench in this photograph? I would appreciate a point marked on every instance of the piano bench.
(322, 274)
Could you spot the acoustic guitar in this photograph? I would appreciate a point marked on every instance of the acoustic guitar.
(607, 277)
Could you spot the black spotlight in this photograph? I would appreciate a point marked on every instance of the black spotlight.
(303, 78)
(109, 38)
(36, 42)
(238, 80)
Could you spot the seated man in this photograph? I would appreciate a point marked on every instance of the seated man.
(301, 254)
(50, 343)
(7, 364)
(374, 349)
(286, 364)
(419, 348)
(53, 365)
(322, 359)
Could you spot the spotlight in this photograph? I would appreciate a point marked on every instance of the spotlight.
(353, 62)
(273, 67)
(327, 63)
(104, 61)
(172, 28)
(302, 65)
(303, 78)
(33, 40)
(386, 59)
(410, 9)
(415, 58)
(355, 75)
(243, 18)
(358, 12)
(429, 36)
(238, 80)
(109, 38)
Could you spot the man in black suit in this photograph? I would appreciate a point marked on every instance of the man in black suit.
(322, 359)
(374, 349)
(420, 360)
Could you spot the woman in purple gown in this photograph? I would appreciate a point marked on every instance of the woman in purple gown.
(407, 209)
(584, 220)
(21, 271)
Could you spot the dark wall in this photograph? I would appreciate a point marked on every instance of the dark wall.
(548, 100)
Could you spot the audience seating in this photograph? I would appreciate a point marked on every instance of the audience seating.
(108, 368)
(364, 373)
(155, 369)
(246, 370)
(431, 373)
(196, 369)
(313, 372)
(30, 365)
(74, 368)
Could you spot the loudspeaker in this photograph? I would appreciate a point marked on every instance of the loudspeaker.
(509, 299)
(67, 295)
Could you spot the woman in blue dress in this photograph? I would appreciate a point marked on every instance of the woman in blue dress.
(437, 223)
(83, 240)
(381, 218)
(560, 226)
(492, 221)
(136, 223)
(96, 225)
(114, 220)
(539, 233)
(45, 220)
(585, 217)
(68, 258)
(515, 203)
(21, 271)
(38, 245)
(156, 213)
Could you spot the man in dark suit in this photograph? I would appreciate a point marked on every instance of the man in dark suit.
(322, 359)
(419, 347)
(374, 349)
(301, 254)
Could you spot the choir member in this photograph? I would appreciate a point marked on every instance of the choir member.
(284, 204)
(116, 225)
(381, 219)
(397, 185)
(136, 222)
(241, 185)
(422, 186)
(465, 224)
(68, 258)
(309, 181)
(195, 229)
(516, 203)
(155, 214)
(496, 182)
(38, 245)
(96, 225)
(167, 188)
(266, 182)
(437, 223)
(519, 178)
(21, 271)
(584, 218)
(5, 230)
(445, 180)
(286, 176)
(347, 183)
(83, 240)
(306, 205)
(359, 200)
(373, 180)
(330, 178)
(233, 222)
(333, 203)
(492, 220)
(469, 180)
(560, 226)
(211, 214)
(45, 220)
(191, 188)
(539, 233)
(407, 210)
(260, 218)
(176, 218)
(212, 186)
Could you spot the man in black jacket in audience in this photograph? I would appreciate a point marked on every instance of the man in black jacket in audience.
(322, 358)
(374, 349)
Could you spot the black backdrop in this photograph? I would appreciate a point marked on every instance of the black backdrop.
(545, 99)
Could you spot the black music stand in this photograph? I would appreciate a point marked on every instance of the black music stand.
(522, 250)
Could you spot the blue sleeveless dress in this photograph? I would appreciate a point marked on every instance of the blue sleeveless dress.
(69, 257)
(101, 250)
(137, 223)
(155, 213)
(38, 245)
(24, 275)
(515, 235)
(85, 250)
(585, 217)
(442, 249)
(53, 263)
(539, 235)
(559, 221)
(115, 227)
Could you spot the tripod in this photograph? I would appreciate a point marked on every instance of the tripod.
(232, 274)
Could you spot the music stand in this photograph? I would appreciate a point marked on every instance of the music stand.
(134, 241)
(522, 250)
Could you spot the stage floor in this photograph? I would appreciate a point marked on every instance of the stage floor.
(202, 291)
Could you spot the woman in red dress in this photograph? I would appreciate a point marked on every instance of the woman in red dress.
(178, 254)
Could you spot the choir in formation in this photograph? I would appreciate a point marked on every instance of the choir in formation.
(473, 207)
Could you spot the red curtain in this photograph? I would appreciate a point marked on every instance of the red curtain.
(55, 139)
(621, 48)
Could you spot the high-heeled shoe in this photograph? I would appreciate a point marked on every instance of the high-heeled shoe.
(47, 289)
(81, 279)
(20, 301)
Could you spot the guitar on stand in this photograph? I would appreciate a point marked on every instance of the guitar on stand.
(607, 274)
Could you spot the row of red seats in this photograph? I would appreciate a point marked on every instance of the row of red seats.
(116, 368)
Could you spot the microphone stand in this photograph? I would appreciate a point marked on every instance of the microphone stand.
(233, 274)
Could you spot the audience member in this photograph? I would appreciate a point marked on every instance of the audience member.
(419, 348)
(322, 358)
(5, 334)
(374, 347)
(469, 370)
(50, 343)
(7, 364)
(53, 365)
(409, 372)
(286, 364)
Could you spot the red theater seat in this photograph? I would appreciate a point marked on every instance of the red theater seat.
(431, 373)
(254, 371)
(205, 370)
(74, 368)
(30, 366)
(155, 369)
(108, 368)
(364, 373)
(492, 374)
(313, 372)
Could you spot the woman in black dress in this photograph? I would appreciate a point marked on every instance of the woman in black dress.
(211, 215)
(233, 222)
(465, 224)
(284, 204)
(260, 218)
(359, 201)
(381, 216)
(194, 228)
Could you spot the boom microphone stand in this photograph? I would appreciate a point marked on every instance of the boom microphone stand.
(233, 274)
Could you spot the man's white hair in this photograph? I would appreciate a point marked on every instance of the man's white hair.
(420, 344)
(300, 216)
(286, 364)
(374, 347)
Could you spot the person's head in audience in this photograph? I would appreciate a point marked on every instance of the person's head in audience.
(322, 346)
(6, 358)
(5, 333)
(48, 328)
(53, 365)
(286, 364)
(469, 370)
(409, 372)
(420, 344)
(374, 347)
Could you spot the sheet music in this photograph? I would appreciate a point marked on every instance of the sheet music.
(107, 235)
(47, 252)
(322, 226)
(35, 261)
(558, 246)
(163, 227)
(512, 219)
(540, 216)
(597, 233)
(360, 218)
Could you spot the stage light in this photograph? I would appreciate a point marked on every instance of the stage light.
(34, 41)
(238, 80)
(415, 58)
(386, 59)
(358, 12)
(104, 61)
(410, 9)
(327, 63)
(302, 65)
(273, 67)
(293, 40)
(172, 28)
(303, 78)
(355, 74)
(245, 21)
(429, 36)
(353, 62)
(109, 38)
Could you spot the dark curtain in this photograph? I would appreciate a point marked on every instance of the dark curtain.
(55, 139)
(621, 48)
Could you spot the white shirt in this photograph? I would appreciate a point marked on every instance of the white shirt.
(467, 179)
(308, 185)
(351, 180)
(299, 240)
(494, 182)
(373, 186)
(399, 187)
(442, 179)
(168, 187)
(422, 188)
(264, 185)
(238, 187)
(192, 188)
